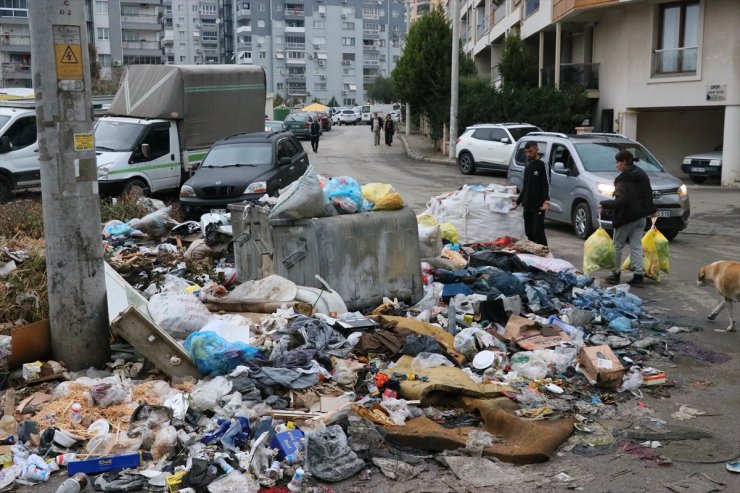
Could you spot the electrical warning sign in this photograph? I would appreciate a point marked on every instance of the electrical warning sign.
(68, 52)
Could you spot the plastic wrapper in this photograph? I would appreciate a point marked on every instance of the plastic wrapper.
(345, 205)
(398, 410)
(432, 295)
(214, 355)
(106, 395)
(164, 442)
(178, 313)
(101, 444)
(156, 224)
(599, 252)
(207, 394)
(423, 361)
(631, 381)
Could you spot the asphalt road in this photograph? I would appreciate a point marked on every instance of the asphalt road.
(714, 234)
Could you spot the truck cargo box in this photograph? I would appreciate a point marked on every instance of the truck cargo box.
(363, 257)
(211, 101)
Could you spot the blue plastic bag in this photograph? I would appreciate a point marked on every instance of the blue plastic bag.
(345, 194)
(214, 355)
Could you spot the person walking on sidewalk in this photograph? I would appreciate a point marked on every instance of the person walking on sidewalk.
(315, 130)
(535, 195)
(389, 128)
(632, 203)
(376, 124)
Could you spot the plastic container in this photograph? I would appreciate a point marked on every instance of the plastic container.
(75, 413)
(364, 256)
(296, 480)
(75, 484)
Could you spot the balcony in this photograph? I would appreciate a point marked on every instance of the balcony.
(583, 75)
(243, 13)
(296, 78)
(244, 46)
(294, 12)
(295, 46)
(15, 70)
(141, 22)
(10, 42)
(140, 45)
(371, 63)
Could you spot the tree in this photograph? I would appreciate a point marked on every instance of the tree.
(383, 90)
(333, 102)
(94, 64)
(517, 66)
(423, 73)
(277, 100)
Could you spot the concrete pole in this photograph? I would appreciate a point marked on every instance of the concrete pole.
(408, 28)
(558, 40)
(455, 75)
(731, 147)
(541, 58)
(75, 272)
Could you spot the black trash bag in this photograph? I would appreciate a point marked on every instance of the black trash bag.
(504, 261)
(328, 456)
(200, 475)
(416, 344)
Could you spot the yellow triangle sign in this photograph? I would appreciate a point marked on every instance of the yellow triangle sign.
(69, 56)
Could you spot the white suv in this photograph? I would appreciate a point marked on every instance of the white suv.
(348, 117)
(489, 146)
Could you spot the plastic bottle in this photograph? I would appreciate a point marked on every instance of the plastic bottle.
(75, 484)
(232, 481)
(75, 413)
(65, 459)
(296, 480)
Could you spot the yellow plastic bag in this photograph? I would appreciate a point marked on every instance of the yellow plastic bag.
(426, 219)
(389, 202)
(650, 259)
(372, 192)
(449, 232)
(598, 252)
(661, 245)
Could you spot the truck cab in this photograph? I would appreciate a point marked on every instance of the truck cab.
(19, 151)
(137, 154)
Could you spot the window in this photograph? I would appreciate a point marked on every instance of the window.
(104, 60)
(263, 54)
(279, 86)
(260, 23)
(348, 41)
(348, 26)
(210, 36)
(261, 7)
(319, 86)
(158, 138)
(101, 7)
(531, 6)
(678, 38)
(13, 8)
(103, 33)
(498, 133)
(22, 133)
(319, 24)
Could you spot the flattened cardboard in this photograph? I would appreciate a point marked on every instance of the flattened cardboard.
(517, 327)
(30, 343)
(601, 366)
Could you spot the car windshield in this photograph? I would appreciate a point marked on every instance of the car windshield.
(111, 135)
(296, 118)
(519, 132)
(274, 125)
(226, 155)
(3, 120)
(599, 156)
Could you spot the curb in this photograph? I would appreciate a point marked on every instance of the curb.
(413, 154)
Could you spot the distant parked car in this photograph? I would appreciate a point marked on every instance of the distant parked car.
(489, 146)
(274, 126)
(299, 124)
(348, 117)
(244, 167)
(324, 119)
(704, 165)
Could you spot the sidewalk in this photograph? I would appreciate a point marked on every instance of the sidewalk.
(420, 148)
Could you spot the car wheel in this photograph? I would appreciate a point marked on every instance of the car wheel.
(6, 189)
(698, 179)
(582, 224)
(136, 187)
(670, 234)
(466, 162)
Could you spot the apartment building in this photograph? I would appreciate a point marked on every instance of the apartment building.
(191, 31)
(320, 48)
(665, 72)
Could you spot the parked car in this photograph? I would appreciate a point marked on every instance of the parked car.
(348, 117)
(704, 165)
(489, 146)
(299, 124)
(244, 167)
(582, 172)
(335, 114)
(274, 126)
(324, 119)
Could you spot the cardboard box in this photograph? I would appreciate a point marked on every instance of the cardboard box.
(518, 327)
(110, 463)
(601, 366)
(287, 442)
(30, 343)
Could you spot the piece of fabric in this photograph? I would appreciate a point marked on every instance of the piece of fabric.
(283, 377)
(316, 334)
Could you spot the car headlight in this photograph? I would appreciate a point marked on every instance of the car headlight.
(683, 191)
(187, 191)
(257, 187)
(715, 162)
(103, 171)
(687, 160)
(605, 189)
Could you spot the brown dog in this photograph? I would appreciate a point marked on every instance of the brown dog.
(725, 274)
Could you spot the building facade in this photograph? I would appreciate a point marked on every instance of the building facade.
(664, 72)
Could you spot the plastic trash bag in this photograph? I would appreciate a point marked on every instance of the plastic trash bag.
(631, 381)
(304, 198)
(207, 394)
(467, 340)
(650, 259)
(389, 202)
(372, 192)
(661, 246)
(345, 193)
(178, 313)
(430, 241)
(449, 232)
(156, 224)
(599, 252)
(422, 361)
(529, 364)
(426, 219)
(214, 355)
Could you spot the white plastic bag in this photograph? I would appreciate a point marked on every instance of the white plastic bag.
(528, 364)
(430, 241)
(178, 313)
(207, 394)
(467, 341)
(424, 360)
(398, 410)
(304, 198)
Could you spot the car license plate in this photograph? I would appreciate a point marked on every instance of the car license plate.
(698, 170)
(664, 213)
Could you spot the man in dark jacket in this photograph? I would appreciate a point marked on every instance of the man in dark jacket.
(535, 195)
(315, 130)
(632, 203)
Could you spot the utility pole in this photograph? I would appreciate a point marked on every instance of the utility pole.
(455, 75)
(75, 272)
(408, 28)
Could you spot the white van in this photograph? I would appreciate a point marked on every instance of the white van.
(19, 150)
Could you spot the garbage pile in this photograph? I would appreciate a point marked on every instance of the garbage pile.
(251, 387)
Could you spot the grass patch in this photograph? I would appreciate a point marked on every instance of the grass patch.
(123, 208)
(23, 294)
(22, 219)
